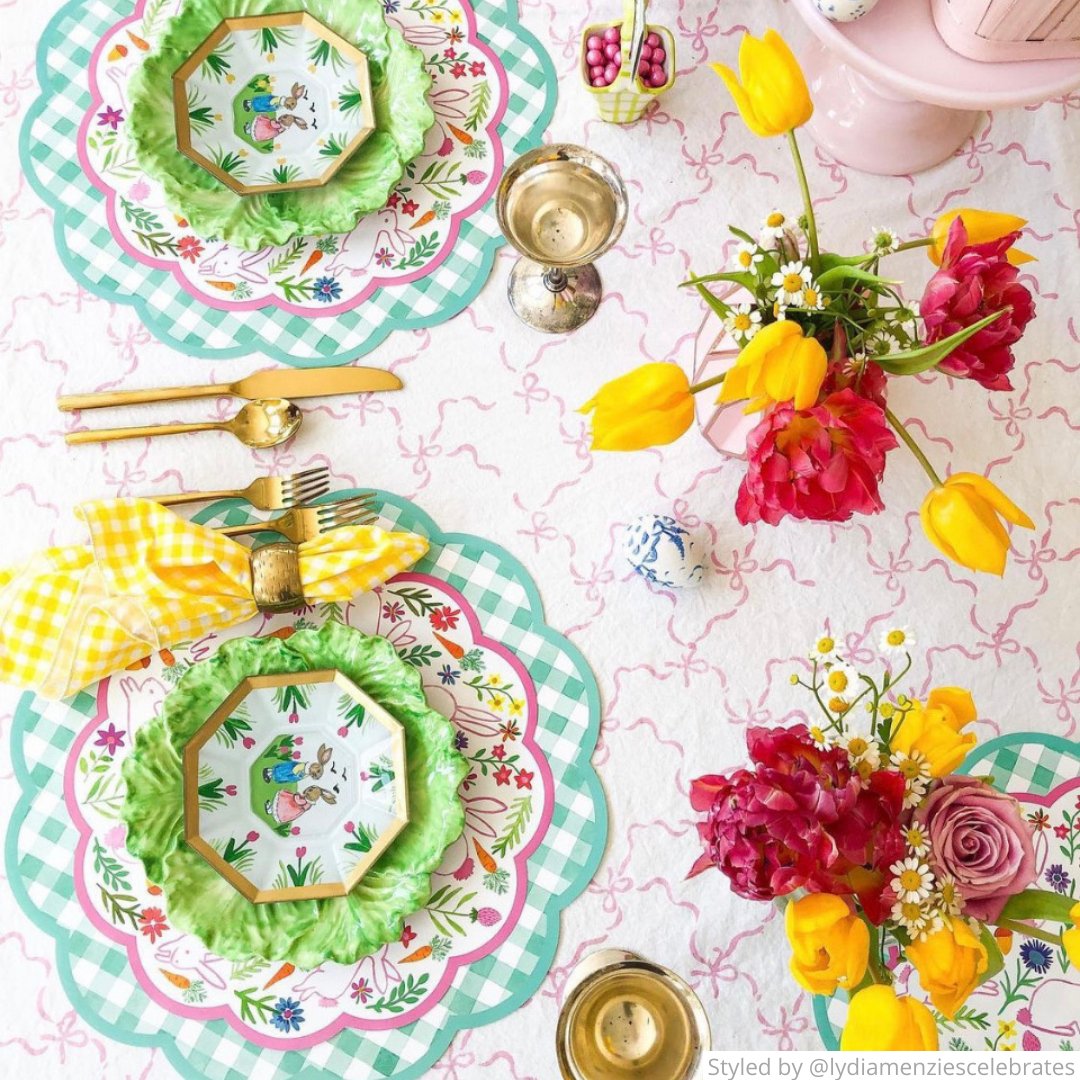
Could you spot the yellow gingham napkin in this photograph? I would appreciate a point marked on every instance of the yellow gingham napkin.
(149, 579)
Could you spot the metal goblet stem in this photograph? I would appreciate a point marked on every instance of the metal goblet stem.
(561, 207)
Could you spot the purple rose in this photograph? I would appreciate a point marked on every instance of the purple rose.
(979, 837)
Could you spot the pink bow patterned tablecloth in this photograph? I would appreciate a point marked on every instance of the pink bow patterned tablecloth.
(486, 439)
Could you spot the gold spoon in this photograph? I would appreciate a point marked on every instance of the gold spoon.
(258, 424)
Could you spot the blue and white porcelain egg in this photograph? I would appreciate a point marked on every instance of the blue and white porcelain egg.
(845, 10)
(664, 552)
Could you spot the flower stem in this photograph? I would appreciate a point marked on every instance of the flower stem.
(913, 446)
(811, 222)
(716, 380)
(911, 245)
(1030, 931)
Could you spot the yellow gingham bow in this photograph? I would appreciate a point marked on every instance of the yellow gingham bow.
(149, 579)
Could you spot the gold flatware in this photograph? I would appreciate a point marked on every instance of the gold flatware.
(290, 383)
(266, 493)
(311, 522)
(259, 424)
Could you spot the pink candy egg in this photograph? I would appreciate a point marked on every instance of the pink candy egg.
(611, 72)
(595, 42)
(598, 80)
(613, 34)
(612, 49)
(594, 57)
(646, 52)
(653, 40)
(644, 69)
(659, 56)
(657, 77)
(596, 71)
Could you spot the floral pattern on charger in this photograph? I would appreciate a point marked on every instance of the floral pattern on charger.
(479, 890)
(412, 234)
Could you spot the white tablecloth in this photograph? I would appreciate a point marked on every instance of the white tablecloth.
(487, 440)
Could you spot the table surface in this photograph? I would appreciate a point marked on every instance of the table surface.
(897, 43)
(486, 439)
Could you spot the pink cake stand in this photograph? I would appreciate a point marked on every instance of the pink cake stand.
(890, 97)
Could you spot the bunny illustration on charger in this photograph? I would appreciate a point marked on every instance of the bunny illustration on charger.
(268, 103)
(292, 772)
(267, 128)
(287, 806)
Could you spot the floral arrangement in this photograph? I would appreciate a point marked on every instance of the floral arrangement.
(820, 335)
(878, 850)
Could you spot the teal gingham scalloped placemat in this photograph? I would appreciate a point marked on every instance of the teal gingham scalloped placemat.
(48, 154)
(1032, 764)
(41, 842)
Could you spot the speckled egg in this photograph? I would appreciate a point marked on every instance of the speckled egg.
(664, 552)
(845, 10)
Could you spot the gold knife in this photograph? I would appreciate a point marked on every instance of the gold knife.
(275, 383)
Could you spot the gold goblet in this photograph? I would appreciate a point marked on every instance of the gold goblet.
(561, 207)
(625, 1017)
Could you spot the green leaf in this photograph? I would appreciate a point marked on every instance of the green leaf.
(829, 261)
(747, 281)
(742, 235)
(840, 274)
(1038, 905)
(915, 361)
(993, 953)
(714, 302)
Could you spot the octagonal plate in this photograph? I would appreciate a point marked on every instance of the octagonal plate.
(295, 786)
(273, 103)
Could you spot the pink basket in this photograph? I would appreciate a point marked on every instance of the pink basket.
(1010, 29)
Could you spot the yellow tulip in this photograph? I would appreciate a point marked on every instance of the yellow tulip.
(950, 963)
(649, 406)
(879, 1020)
(982, 227)
(1071, 938)
(961, 519)
(829, 942)
(772, 97)
(933, 729)
(777, 365)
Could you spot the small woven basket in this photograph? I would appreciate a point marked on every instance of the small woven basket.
(1010, 29)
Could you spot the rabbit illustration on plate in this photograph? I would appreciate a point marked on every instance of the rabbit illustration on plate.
(292, 772)
(267, 128)
(271, 103)
(287, 806)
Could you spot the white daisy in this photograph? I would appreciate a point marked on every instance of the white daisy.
(842, 681)
(743, 322)
(818, 737)
(883, 242)
(811, 298)
(916, 839)
(790, 280)
(947, 895)
(779, 311)
(747, 256)
(897, 640)
(915, 770)
(775, 227)
(862, 751)
(912, 880)
(916, 918)
(824, 647)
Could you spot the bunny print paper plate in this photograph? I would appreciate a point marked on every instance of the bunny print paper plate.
(273, 103)
(294, 796)
(295, 786)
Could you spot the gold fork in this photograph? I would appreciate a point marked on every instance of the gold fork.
(309, 523)
(266, 493)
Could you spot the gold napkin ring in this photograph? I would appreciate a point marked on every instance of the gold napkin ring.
(275, 578)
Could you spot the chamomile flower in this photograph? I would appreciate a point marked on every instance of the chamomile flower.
(811, 298)
(779, 311)
(743, 322)
(915, 770)
(947, 895)
(842, 681)
(775, 227)
(916, 839)
(913, 880)
(916, 918)
(862, 751)
(897, 640)
(790, 281)
(747, 256)
(817, 736)
(824, 647)
(883, 242)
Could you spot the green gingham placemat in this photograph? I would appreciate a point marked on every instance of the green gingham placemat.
(95, 971)
(49, 152)
(1034, 1004)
